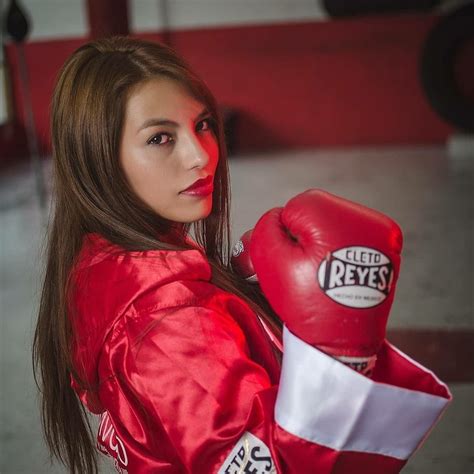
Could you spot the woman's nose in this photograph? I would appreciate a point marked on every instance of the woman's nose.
(195, 153)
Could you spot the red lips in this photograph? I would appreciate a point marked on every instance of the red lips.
(200, 183)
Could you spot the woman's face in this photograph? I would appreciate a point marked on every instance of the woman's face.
(160, 160)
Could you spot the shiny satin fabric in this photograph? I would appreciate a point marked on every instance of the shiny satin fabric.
(184, 376)
(109, 282)
(155, 339)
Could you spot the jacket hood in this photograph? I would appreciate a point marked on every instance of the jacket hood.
(106, 281)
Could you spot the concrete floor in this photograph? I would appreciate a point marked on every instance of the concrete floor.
(427, 192)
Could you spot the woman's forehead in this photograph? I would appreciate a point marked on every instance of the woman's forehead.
(161, 98)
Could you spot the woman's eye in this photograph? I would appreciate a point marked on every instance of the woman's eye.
(157, 139)
(209, 124)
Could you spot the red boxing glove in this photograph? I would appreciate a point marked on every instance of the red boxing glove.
(328, 267)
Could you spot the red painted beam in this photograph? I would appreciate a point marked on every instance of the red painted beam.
(107, 17)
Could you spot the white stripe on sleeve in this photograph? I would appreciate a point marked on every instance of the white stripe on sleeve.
(323, 401)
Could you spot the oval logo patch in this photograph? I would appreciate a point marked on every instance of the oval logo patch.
(357, 277)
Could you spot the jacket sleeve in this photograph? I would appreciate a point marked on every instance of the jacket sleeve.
(182, 394)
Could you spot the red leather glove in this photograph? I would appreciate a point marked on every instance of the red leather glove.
(328, 267)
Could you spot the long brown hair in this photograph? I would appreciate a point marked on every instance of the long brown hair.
(91, 194)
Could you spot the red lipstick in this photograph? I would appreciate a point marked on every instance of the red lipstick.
(201, 187)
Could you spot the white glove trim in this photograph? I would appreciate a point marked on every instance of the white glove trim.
(325, 402)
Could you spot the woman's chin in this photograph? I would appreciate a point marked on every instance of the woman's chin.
(195, 216)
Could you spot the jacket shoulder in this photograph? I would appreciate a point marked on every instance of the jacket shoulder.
(109, 282)
(111, 278)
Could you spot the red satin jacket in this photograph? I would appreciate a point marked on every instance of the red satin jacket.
(184, 379)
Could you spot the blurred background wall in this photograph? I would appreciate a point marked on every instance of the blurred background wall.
(372, 100)
(296, 76)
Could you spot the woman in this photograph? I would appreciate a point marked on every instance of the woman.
(151, 329)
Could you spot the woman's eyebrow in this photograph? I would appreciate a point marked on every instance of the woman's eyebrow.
(153, 122)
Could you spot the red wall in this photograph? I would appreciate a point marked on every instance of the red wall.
(44, 60)
(335, 83)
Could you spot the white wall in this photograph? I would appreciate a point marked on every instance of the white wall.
(51, 19)
(67, 18)
(148, 15)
